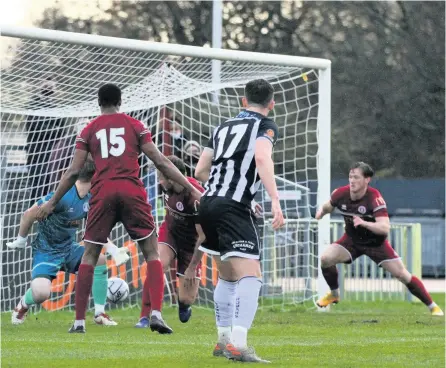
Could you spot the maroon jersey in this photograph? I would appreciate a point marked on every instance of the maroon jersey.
(114, 142)
(369, 207)
(181, 213)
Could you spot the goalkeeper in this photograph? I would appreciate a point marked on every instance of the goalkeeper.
(55, 249)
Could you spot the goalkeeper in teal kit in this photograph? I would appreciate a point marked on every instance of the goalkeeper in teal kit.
(55, 249)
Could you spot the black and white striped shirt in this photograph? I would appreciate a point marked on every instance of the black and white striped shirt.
(233, 173)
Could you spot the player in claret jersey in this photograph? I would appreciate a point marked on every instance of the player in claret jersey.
(367, 226)
(177, 239)
(115, 141)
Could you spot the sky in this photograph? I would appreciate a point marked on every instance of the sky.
(22, 12)
(25, 12)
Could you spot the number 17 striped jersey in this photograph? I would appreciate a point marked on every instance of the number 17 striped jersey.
(233, 173)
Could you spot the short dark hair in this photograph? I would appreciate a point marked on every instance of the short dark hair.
(259, 92)
(87, 171)
(366, 169)
(109, 95)
(178, 162)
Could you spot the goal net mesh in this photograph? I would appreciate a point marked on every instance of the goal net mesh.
(49, 93)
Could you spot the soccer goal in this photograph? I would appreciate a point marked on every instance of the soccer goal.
(49, 81)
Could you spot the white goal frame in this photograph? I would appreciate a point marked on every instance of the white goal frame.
(324, 114)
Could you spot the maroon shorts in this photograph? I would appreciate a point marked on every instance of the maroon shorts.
(183, 249)
(119, 201)
(378, 254)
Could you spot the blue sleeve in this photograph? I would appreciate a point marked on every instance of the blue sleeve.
(268, 130)
(60, 207)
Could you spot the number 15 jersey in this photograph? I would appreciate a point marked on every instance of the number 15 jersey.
(233, 173)
(115, 142)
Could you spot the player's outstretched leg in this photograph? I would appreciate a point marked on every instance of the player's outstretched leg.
(100, 282)
(84, 282)
(413, 283)
(155, 276)
(224, 301)
(331, 256)
(39, 291)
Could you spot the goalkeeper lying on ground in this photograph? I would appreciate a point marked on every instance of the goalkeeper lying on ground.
(55, 249)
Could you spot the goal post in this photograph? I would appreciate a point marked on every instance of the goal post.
(49, 82)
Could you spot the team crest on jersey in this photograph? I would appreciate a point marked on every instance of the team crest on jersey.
(86, 207)
(362, 210)
(270, 133)
(180, 206)
(344, 207)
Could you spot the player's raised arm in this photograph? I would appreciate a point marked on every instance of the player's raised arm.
(68, 179)
(265, 168)
(167, 168)
(203, 168)
(26, 222)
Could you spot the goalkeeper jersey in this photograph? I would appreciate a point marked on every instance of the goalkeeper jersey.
(57, 232)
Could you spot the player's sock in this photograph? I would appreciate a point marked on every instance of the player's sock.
(99, 288)
(416, 287)
(146, 307)
(79, 322)
(155, 277)
(28, 299)
(432, 305)
(331, 276)
(224, 301)
(84, 283)
(246, 302)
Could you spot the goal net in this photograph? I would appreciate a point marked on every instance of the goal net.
(49, 83)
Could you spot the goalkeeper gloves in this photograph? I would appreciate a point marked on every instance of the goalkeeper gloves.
(19, 243)
(119, 255)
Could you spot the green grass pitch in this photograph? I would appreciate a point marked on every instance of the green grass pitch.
(352, 334)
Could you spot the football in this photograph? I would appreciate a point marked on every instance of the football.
(117, 290)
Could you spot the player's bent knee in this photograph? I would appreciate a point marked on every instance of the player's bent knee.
(403, 275)
(41, 289)
(327, 260)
